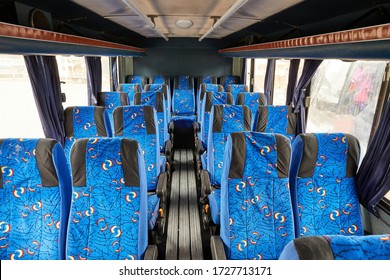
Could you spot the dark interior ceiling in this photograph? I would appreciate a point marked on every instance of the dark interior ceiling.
(306, 18)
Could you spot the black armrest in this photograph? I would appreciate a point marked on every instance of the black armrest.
(217, 249)
(171, 127)
(168, 148)
(196, 127)
(151, 252)
(205, 185)
(200, 149)
(162, 186)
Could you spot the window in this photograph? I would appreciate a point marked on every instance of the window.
(280, 83)
(106, 84)
(259, 75)
(73, 74)
(18, 111)
(344, 96)
(248, 66)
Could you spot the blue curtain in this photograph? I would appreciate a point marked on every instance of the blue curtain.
(94, 78)
(114, 73)
(298, 100)
(269, 80)
(373, 177)
(45, 81)
(292, 79)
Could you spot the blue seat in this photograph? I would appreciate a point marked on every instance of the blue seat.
(205, 80)
(235, 89)
(224, 119)
(161, 79)
(251, 99)
(256, 212)
(157, 100)
(211, 99)
(167, 95)
(226, 80)
(338, 247)
(130, 90)
(203, 88)
(85, 122)
(140, 123)
(136, 79)
(275, 119)
(322, 182)
(108, 219)
(110, 100)
(35, 196)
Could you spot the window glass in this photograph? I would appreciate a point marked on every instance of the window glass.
(18, 111)
(280, 82)
(344, 96)
(259, 75)
(106, 73)
(73, 75)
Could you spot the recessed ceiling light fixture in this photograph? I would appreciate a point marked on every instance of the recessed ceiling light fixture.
(184, 23)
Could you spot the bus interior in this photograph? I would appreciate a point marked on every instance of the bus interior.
(207, 173)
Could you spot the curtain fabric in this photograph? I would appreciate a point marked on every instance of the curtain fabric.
(298, 101)
(373, 177)
(292, 79)
(94, 78)
(114, 73)
(269, 80)
(45, 81)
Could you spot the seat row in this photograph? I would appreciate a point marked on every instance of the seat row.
(270, 208)
(100, 212)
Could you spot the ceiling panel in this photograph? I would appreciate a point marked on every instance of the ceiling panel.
(200, 12)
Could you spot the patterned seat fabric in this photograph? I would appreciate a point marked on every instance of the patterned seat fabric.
(108, 218)
(211, 99)
(159, 79)
(111, 100)
(136, 79)
(203, 88)
(225, 81)
(338, 247)
(322, 183)
(167, 96)
(256, 212)
(235, 89)
(85, 122)
(183, 82)
(224, 119)
(130, 90)
(251, 99)
(275, 119)
(157, 100)
(35, 194)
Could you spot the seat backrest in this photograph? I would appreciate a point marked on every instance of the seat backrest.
(275, 119)
(251, 99)
(85, 122)
(235, 89)
(136, 79)
(203, 88)
(108, 218)
(256, 212)
(159, 79)
(110, 100)
(130, 90)
(211, 99)
(322, 181)
(183, 82)
(183, 102)
(338, 247)
(35, 195)
(157, 100)
(139, 123)
(167, 95)
(229, 79)
(224, 119)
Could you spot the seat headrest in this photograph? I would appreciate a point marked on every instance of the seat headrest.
(240, 116)
(132, 119)
(150, 98)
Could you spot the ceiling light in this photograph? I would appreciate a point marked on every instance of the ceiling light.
(184, 23)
